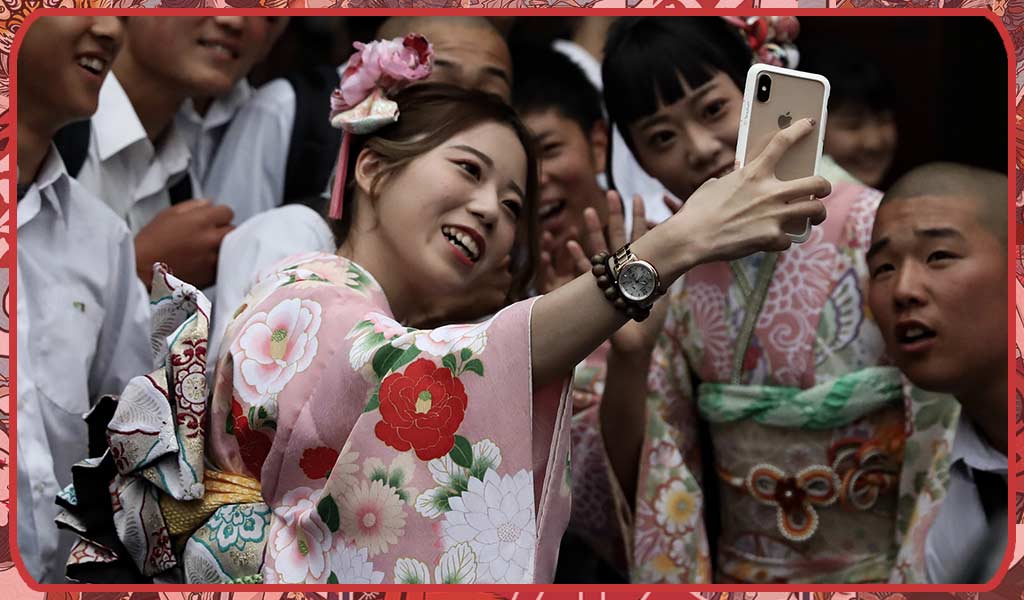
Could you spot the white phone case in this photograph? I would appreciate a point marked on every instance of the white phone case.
(749, 98)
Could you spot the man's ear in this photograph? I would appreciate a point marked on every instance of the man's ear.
(599, 145)
(368, 166)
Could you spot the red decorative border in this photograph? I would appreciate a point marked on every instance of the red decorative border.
(14, 14)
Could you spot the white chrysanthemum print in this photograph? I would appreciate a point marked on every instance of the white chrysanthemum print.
(496, 518)
(372, 516)
(351, 565)
(343, 473)
(453, 479)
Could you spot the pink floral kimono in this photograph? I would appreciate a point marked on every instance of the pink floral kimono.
(340, 446)
(829, 468)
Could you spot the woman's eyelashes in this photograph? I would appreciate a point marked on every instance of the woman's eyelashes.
(513, 207)
(551, 150)
(472, 169)
(475, 173)
(661, 139)
(880, 270)
(714, 109)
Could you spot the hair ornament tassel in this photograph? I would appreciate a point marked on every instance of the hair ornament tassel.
(770, 38)
(360, 105)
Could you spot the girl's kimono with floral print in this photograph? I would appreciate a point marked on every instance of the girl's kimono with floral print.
(344, 447)
(817, 476)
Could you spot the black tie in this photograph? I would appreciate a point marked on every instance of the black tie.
(992, 491)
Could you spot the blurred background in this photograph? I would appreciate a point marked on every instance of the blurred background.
(943, 82)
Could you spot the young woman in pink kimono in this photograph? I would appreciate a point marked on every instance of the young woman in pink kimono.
(341, 445)
(819, 468)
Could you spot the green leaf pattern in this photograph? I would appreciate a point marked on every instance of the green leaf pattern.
(453, 479)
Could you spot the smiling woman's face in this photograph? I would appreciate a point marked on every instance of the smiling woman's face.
(685, 143)
(449, 217)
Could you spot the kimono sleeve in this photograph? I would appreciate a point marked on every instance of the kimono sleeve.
(364, 432)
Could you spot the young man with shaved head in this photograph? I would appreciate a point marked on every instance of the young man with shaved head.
(468, 51)
(938, 291)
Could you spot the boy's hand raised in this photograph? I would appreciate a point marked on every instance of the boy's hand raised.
(186, 237)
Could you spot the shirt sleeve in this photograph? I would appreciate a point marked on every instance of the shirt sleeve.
(248, 172)
(123, 350)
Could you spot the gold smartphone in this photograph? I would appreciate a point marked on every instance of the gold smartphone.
(773, 99)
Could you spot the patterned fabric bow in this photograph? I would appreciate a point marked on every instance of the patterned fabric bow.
(771, 38)
(360, 104)
(867, 468)
(794, 496)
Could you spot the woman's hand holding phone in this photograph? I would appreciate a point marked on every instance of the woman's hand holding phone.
(746, 211)
(773, 99)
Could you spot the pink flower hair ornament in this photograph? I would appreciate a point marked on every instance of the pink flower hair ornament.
(771, 38)
(360, 105)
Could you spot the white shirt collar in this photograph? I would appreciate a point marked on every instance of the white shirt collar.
(51, 186)
(116, 125)
(974, 451)
(222, 109)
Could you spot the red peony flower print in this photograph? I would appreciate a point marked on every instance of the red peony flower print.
(252, 445)
(317, 463)
(421, 409)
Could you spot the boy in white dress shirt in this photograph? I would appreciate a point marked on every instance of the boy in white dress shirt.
(204, 121)
(138, 161)
(938, 290)
(83, 315)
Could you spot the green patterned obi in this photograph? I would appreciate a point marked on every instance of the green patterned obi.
(809, 478)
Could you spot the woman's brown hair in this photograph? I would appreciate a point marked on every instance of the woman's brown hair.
(430, 114)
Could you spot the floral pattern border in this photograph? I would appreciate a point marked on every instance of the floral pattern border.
(14, 13)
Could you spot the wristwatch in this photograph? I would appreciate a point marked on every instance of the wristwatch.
(637, 280)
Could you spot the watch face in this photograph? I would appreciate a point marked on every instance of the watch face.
(636, 282)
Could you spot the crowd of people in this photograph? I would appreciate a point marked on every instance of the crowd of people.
(460, 311)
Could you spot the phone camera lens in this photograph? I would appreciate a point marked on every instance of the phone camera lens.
(764, 88)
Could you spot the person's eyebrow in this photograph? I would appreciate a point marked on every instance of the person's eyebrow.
(518, 191)
(877, 247)
(543, 136)
(702, 91)
(499, 73)
(656, 119)
(939, 233)
(465, 148)
(490, 164)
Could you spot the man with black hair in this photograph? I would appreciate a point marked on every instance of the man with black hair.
(861, 134)
(563, 109)
(560, 106)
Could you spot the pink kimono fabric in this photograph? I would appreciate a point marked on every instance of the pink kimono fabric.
(385, 453)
